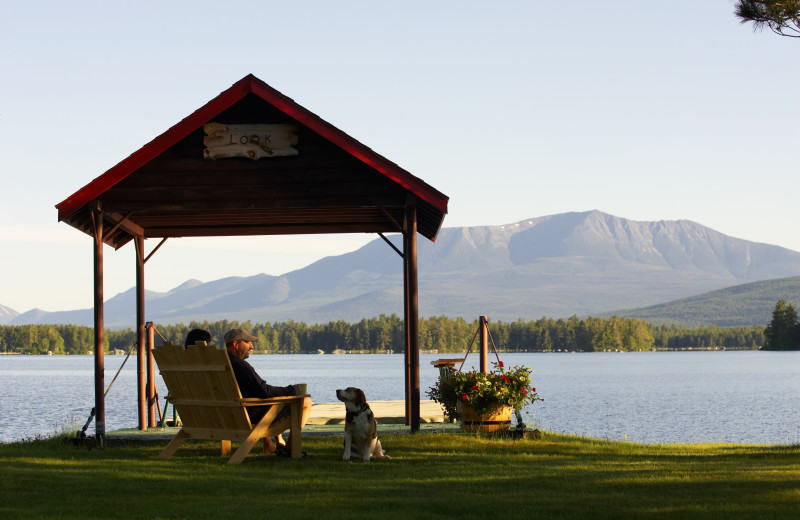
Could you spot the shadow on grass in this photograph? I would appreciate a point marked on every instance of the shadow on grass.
(429, 476)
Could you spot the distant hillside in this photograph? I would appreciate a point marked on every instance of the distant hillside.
(740, 305)
(556, 266)
(7, 314)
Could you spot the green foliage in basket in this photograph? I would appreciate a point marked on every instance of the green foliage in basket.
(480, 391)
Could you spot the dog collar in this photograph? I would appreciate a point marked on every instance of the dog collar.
(349, 416)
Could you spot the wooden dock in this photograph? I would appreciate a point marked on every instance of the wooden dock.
(325, 419)
(386, 412)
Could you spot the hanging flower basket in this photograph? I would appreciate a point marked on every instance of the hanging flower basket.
(496, 418)
(475, 398)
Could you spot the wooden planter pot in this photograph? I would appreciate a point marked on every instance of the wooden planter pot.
(496, 419)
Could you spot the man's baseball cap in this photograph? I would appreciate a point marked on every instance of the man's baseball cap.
(238, 335)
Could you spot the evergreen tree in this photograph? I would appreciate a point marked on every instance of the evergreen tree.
(779, 16)
(783, 332)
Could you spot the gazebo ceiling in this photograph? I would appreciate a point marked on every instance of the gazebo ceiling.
(333, 184)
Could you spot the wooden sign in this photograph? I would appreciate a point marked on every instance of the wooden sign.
(253, 141)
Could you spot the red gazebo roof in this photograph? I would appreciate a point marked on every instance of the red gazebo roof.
(335, 184)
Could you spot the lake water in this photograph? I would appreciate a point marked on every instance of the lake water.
(650, 397)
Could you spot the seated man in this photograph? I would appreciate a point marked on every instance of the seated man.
(239, 344)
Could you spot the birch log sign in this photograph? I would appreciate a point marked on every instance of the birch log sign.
(253, 141)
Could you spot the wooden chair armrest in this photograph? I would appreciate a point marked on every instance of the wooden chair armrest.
(257, 401)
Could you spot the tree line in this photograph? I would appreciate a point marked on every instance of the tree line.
(386, 333)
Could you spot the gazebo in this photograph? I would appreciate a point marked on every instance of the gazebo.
(252, 162)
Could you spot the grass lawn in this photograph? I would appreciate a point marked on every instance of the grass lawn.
(443, 475)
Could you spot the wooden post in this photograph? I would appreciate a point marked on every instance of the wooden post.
(406, 321)
(484, 325)
(151, 377)
(413, 316)
(99, 340)
(141, 347)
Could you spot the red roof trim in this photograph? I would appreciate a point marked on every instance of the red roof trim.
(220, 103)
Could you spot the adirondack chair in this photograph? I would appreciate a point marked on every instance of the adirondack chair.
(203, 389)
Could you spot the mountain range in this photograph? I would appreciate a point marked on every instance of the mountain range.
(578, 263)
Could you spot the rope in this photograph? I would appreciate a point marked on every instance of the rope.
(82, 434)
(494, 347)
(159, 334)
(472, 341)
(469, 349)
(130, 351)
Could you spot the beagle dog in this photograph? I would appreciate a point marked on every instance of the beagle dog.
(360, 427)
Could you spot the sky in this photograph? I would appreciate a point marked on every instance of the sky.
(648, 111)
